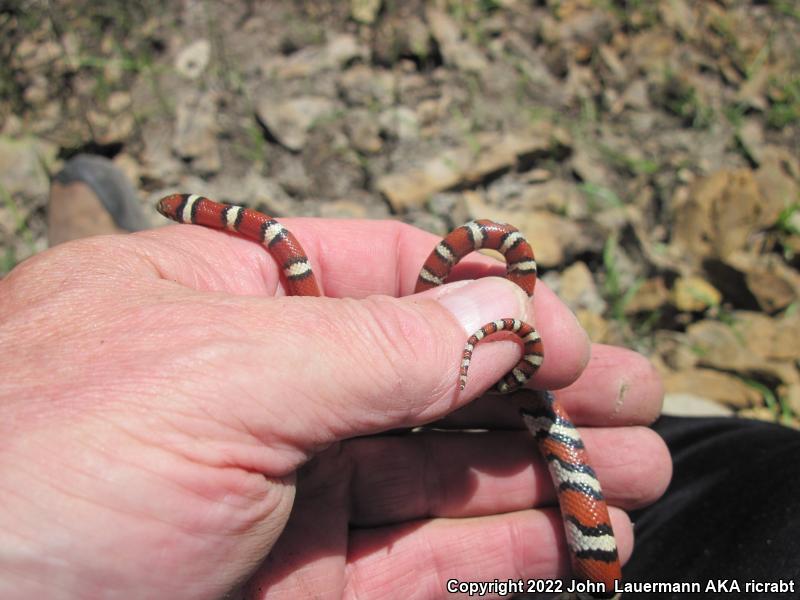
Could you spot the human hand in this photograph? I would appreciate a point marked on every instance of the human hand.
(172, 426)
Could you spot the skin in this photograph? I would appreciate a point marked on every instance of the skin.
(172, 425)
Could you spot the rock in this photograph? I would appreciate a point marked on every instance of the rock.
(675, 349)
(717, 345)
(776, 184)
(342, 49)
(334, 167)
(37, 91)
(774, 284)
(401, 33)
(596, 326)
(158, 162)
(582, 84)
(429, 112)
(791, 241)
(128, 165)
(363, 131)
(118, 102)
(769, 337)
(652, 52)
(718, 215)
(426, 221)
(25, 164)
(36, 55)
(290, 172)
(495, 153)
(412, 188)
(678, 15)
(785, 344)
(761, 413)
(114, 70)
(720, 346)
(693, 405)
(588, 164)
(289, 121)
(542, 175)
(582, 31)
(456, 50)
(365, 86)
(783, 159)
(651, 295)
(11, 127)
(195, 137)
(557, 195)
(752, 91)
(578, 290)
(399, 122)
(489, 154)
(751, 137)
(634, 96)
(694, 294)
(534, 69)
(713, 385)
(365, 11)
(310, 61)
(109, 129)
(193, 59)
(611, 59)
(506, 190)
(359, 207)
(451, 206)
(252, 190)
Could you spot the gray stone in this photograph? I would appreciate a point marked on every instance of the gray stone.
(362, 129)
(488, 154)
(158, 162)
(400, 122)
(24, 165)
(196, 128)
(363, 85)
(193, 59)
(578, 290)
(690, 405)
(290, 171)
(364, 11)
(289, 121)
(456, 50)
(310, 61)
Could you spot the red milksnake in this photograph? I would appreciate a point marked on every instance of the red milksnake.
(586, 522)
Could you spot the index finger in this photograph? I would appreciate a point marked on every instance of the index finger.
(357, 259)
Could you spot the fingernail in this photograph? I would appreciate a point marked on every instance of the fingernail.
(475, 303)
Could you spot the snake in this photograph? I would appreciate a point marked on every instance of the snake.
(587, 526)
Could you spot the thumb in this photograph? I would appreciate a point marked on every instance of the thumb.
(357, 367)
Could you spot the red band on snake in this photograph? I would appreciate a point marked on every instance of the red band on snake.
(587, 526)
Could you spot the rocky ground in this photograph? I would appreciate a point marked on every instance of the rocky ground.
(649, 150)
